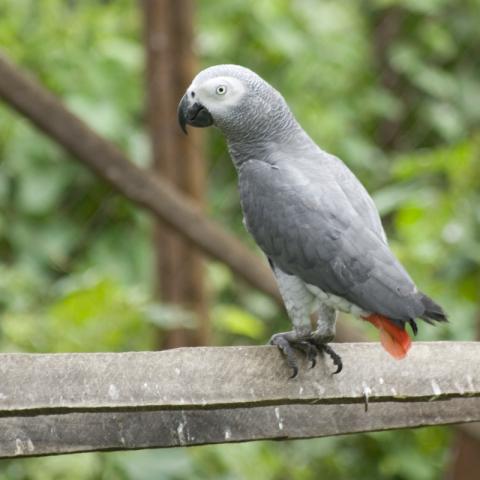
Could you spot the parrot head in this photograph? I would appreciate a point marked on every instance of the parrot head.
(231, 97)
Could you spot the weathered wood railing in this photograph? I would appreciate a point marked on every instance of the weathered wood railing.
(61, 403)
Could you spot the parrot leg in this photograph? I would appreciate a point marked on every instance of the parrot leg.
(325, 324)
(300, 303)
(286, 346)
(325, 333)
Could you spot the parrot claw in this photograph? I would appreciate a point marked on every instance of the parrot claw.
(320, 348)
(309, 350)
(336, 358)
(282, 342)
(311, 347)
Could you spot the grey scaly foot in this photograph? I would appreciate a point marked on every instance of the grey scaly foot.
(285, 346)
(317, 348)
(336, 359)
(309, 350)
(310, 345)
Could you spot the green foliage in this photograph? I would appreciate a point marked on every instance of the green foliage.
(76, 314)
(76, 259)
(434, 198)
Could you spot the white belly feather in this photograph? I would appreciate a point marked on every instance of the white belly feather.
(336, 302)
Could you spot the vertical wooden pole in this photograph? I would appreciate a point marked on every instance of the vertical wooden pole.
(387, 26)
(170, 68)
(465, 451)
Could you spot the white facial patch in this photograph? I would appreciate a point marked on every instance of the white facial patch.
(218, 94)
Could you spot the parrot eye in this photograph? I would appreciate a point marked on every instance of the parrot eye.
(221, 90)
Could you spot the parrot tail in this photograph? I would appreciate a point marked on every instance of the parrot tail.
(395, 339)
(433, 311)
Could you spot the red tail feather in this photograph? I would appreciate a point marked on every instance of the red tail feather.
(395, 340)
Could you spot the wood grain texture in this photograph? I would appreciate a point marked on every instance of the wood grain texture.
(82, 432)
(60, 403)
(233, 376)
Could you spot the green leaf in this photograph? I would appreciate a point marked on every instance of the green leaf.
(232, 319)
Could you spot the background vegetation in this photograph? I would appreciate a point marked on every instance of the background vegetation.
(390, 86)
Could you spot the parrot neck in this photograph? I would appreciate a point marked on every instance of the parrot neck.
(261, 126)
(264, 145)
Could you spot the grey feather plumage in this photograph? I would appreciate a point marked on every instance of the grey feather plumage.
(307, 211)
(302, 219)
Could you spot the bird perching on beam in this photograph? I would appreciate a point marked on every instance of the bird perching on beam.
(311, 216)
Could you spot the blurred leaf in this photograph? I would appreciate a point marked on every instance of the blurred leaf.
(169, 317)
(237, 321)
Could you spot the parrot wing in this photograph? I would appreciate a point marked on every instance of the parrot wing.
(300, 215)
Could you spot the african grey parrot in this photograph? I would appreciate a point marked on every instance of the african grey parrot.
(307, 211)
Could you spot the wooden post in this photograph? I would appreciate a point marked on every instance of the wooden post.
(465, 451)
(170, 68)
(386, 26)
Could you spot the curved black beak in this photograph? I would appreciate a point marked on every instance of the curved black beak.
(194, 114)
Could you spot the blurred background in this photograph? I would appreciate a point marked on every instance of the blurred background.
(390, 86)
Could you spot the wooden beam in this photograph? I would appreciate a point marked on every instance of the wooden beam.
(233, 377)
(59, 403)
(24, 436)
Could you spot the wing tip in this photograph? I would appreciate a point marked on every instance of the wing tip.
(433, 311)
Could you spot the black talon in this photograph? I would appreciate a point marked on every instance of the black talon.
(308, 349)
(310, 352)
(337, 360)
(310, 346)
(295, 371)
(284, 345)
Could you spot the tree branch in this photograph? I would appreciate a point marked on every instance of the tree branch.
(152, 193)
